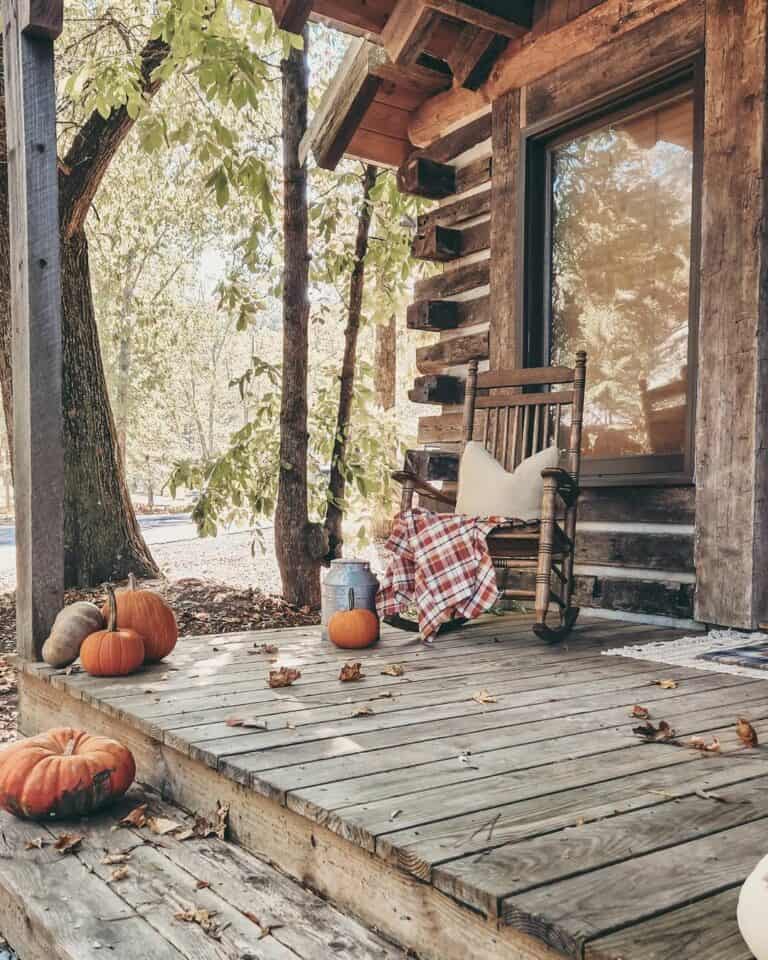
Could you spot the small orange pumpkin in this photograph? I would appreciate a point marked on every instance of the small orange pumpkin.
(63, 773)
(149, 615)
(353, 629)
(112, 652)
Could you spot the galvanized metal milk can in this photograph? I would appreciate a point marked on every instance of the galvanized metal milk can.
(343, 576)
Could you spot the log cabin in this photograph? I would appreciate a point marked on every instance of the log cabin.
(596, 171)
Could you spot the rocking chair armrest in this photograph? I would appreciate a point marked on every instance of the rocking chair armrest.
(567, 487)
(421, 486)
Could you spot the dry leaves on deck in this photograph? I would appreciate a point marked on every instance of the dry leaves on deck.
(253, 722)
(68, 842)
(206, 919)
(639, 713)
(119, 874)
(666, 684)
(162, 825)
(699, 743)
(283, 677)
(203, 827)
(482, 696)
(268, 648)
(747, 733)
(351, 671)
(136, 818)
(661, 734)
(112, 859)
(393, 670)
(37, 844)
(364, 711)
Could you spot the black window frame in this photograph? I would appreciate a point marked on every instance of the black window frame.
(536, 240)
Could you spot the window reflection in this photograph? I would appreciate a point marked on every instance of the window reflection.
(621, 245)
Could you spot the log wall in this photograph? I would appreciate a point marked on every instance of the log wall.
(635, 544)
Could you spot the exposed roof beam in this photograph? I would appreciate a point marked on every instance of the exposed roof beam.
(291, 15)
(512, 24)
(530, 58)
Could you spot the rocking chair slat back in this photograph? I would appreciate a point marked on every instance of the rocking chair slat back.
(517, 425)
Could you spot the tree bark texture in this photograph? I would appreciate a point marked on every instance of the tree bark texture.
(386, 363)
(334, 515)
(299, 545)
(102, 540)
(102, 537)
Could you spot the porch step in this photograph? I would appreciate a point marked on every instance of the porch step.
(196, 899)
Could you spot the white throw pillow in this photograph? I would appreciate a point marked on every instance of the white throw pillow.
(486, 489)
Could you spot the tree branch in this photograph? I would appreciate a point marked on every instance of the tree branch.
(87, 160)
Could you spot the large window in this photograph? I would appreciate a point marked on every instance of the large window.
(616, 202)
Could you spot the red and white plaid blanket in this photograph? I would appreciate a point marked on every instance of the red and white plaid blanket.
(441, 562)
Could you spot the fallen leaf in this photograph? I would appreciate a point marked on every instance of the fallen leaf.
(162, 826)
(351, 671)
(203, 918)
(666, 684)
(747, 733)
(37, 844)
(203, 827)
(393, 670)
(137, 817)
(364, 711)
(269, 648)
(482, 696)
(68, 842)
(662, 733)
(120, 874)
(386, 695)
(202, 885)
(283, 677)
(699, 743)
(250, 722)
(639, 713)
(267, 931)
(112, 859)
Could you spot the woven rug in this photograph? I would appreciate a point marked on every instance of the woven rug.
(720, 651)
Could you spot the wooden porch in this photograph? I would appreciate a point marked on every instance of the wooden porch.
(534, 825)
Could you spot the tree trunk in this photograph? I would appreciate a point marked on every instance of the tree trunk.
(102, 540)
(386, 363)
(299, 545)
(334, 514)
(122, 397)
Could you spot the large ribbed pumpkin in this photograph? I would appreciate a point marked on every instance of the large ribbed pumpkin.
(114, 652)
(63, 773)
(149, 615)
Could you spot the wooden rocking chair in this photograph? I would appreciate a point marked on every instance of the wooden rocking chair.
(514, 426)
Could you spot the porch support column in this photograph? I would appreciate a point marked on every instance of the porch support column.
(30, 28)
(732, 421)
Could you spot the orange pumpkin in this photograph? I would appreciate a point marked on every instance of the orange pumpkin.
(112, 652)
(353, 629)
(147, 614)
(63, 773)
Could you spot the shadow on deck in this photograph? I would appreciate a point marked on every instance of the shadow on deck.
(527, 824)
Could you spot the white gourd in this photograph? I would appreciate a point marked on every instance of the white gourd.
(71, 626)
(752, 911)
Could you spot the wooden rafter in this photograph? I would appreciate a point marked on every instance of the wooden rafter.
(291, 15)
(339, 123)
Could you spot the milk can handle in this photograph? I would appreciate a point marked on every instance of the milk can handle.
(351, 597)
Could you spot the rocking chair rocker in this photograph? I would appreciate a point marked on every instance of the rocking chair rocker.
(516, 425)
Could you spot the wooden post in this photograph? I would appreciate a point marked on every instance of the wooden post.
(732, 418)
(30, 28)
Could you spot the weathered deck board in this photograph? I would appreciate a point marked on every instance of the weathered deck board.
(70, 907)
(491, 805)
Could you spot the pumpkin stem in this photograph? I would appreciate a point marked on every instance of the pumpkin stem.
(112, 621)
(132, 582)
(70, 748)
(351, 598)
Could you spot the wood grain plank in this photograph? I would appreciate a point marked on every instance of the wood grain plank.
(567, 914)
(705, 930)
(516, 867)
